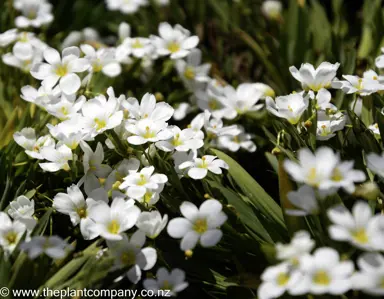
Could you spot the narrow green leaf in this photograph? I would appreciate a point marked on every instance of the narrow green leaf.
(253, 190)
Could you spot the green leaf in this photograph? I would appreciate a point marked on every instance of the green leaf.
(253, 190)
(380, 122)
(42, 223)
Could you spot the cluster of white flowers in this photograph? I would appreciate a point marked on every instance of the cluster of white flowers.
(323, 272)
(34, 13)
(118, 202)
(131, 6)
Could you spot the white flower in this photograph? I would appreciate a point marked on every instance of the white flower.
(22, 209)
(27, 51)
(112, 221)
(328, 125)
(10, 232)
(301, 244)
(272, 9)
(26, 138)
(23, 64)
(175, 41)
(77, 208)
(313, 169)
(265, 90)
(360, 228)
(379, 62)
(191, 71)
(214, 126)
(151, 223)
(148, 109)
(58, 158)
(290, 107)
(173, 281)
(375, 129)
(239, 101)
(181, 111)
(138, 183)
(276, 280)
(101, 114)
(116, 177)
(103, 60)
(147, 130)
(66, 106)
(53, 246)
(323, 100)
(199, 225)
(87, 35)
(324, 273)
(35, 13)
(236, 142)
(208, 99)
(371, 275)
(375, 163)
(181, 157)
(8, 37)
(344, 176)
(62, 70)
(315, 79)
(41, 97)
(129, 253)
(125, 6)
(198, 168)
(93, 167)
(69, 132)
(137, 46)
(305, 199)
(354, 84)
(182, 141)
(124, 31)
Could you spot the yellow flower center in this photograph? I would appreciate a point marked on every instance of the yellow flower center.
(142, 180)
(173, 47)
(148, 197)
(337, 176)
(113, 227)
(128, 258)
(82, 212)
(360, 236)
(148, 133)
(200, 226)
(137, 44)
(11, 237)
(32, 14)
(381, 284)
(61, 70)
(282, 279)
(189, 73)
(97, 66)
(290, 108)
(166, 285)
(312, 175)
(100, 124)
(176, 140)
(321, 277)
(212, 104)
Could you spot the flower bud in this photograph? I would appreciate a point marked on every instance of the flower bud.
(308, 124)
(188, 253)
(124, 30)
(159, 97)
(272, 9)
(276, 151)
(368, 191)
